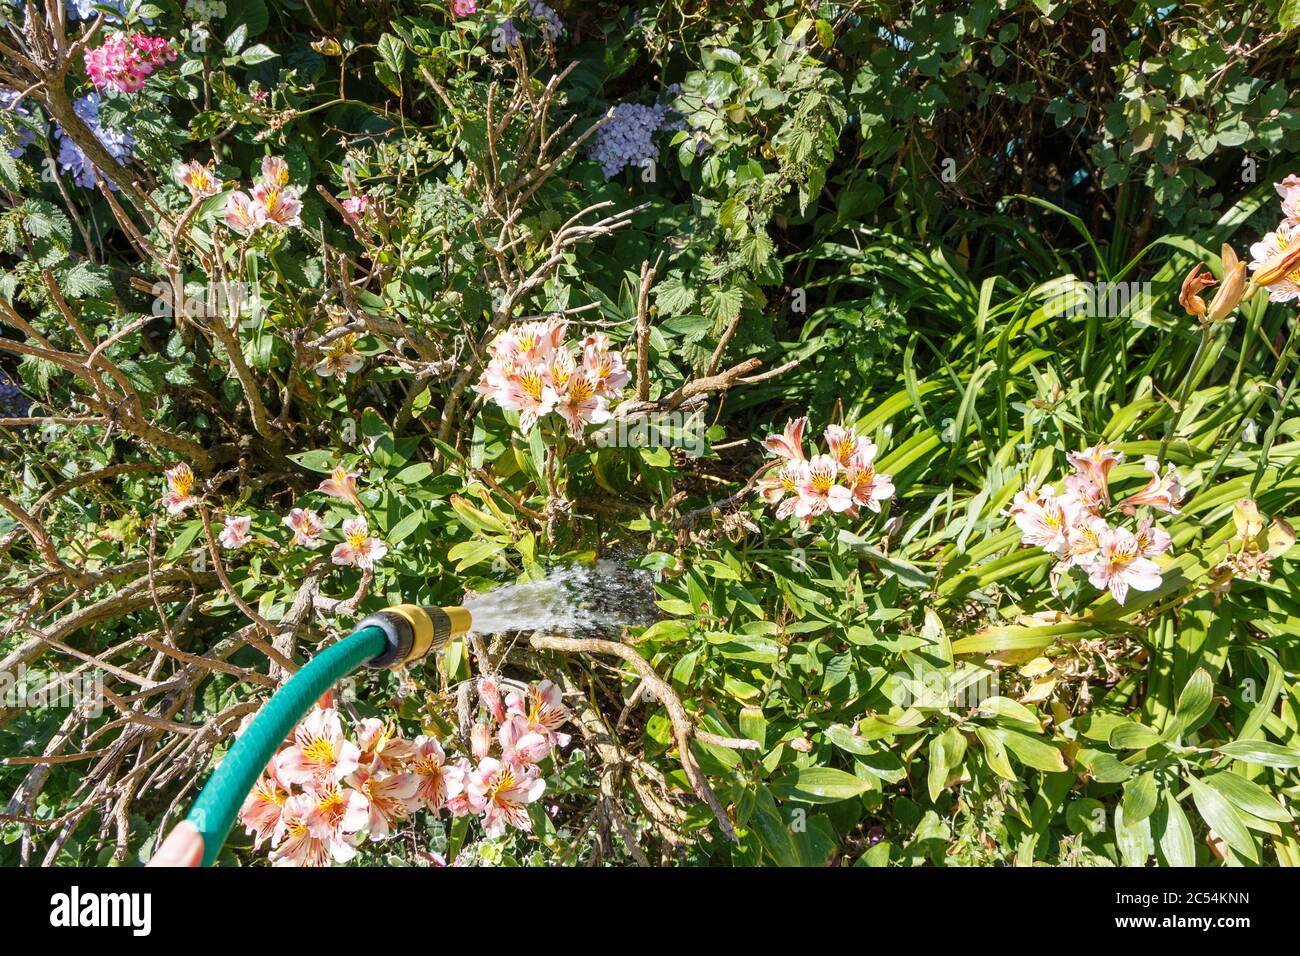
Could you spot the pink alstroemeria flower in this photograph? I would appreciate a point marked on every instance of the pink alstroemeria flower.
(464, 8)
(1095, 463)
(341, 484)
(242, 214)
(300, 847)
(789, 444)
(180, 481)
(1162, 492)
(490, 694)
(1152, 541)
(865, 486)
(358, 548)
(275, 172)
(319, 750)
(382, 750)
(579, 403)
(435, 783)
(1275, 260)
(198, 179)
(846, 446)
(263, 806)
(480, 740)
(781, 487)
(236, 533)
(604, 365)
(338, 815)
(279, 206)
(463, 796)
(306, 525)
(543, 707)
(527, 393)
(1045, 523)
(505, 794)
(1119, 566)
(389, 797)
(819, 491)
(1082, 540)
(522, 747)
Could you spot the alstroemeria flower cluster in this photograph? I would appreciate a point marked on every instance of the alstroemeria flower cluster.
(533, 370)
(839, 481)
(273, 201)
(1276, 257)
(326, 792)
(123, 62)
(1076, 524)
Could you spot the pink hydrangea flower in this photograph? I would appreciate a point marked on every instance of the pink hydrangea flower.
(124, 62)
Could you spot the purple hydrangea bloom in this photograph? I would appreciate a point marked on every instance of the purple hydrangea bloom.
(550, 21)
(73, 161)
(628, 140)
(85, 9)
(13, 403)
(26, 136)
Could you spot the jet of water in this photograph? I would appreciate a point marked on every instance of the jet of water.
(598, 598)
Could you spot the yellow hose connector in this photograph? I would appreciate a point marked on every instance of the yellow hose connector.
(413, 631)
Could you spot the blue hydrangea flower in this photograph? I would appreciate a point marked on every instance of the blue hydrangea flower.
(548, 19)
(73, 161)
(85, 9)
(13, 403)
(628, 139)
(26, 135)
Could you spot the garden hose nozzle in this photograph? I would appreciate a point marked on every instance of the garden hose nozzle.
(412, 631)
(391, 638)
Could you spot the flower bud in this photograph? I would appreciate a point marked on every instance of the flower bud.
(1193, 285)
(1232, 289)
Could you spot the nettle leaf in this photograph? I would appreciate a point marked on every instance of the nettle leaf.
(722, 305)
(673, 296)
(84, 280)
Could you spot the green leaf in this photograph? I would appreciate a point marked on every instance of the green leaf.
(403, 528)
(995, 753)
(1193, 704)
(258, 53)
(819, 785)
(470, 553)
(1175, 834)
(1223, 819)
(1133, 838)
(1261, 752)
(1133, 736)
(1032, 751)
(1140, 797)
(319, 460)
(1248, 797)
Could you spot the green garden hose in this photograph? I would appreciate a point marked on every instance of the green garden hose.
(390, 638)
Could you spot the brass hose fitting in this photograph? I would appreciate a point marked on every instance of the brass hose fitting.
(412, 631)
